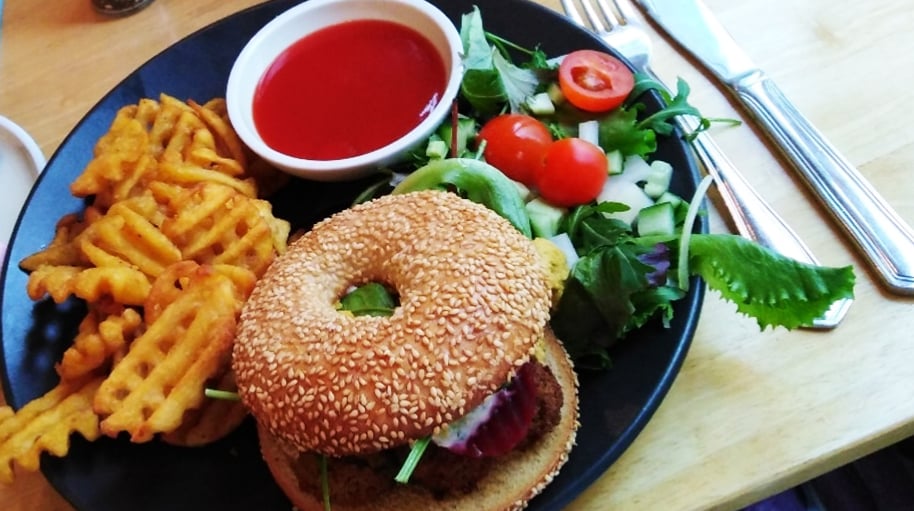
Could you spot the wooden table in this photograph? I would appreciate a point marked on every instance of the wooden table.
(751, 413)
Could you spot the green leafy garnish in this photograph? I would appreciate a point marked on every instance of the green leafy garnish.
(619, 131)
(773, 289)
(538, 60)
(623, 130)
(490, 78)
(518, 83)
(412, 460)
(371, 299)
(609, 291)
(225, 395)
(477, 181)
(614, 288)
(659, 121)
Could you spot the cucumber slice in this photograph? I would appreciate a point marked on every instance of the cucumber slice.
(615, 161)
(626, 192)
(540, 104)
(671, 197)
(436, 149)
(544, 217)
(658, 180)
(656, 220)
(635, 169)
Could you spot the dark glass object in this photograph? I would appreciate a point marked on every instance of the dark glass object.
(119, 7)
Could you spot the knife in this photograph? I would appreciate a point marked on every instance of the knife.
(880, 234)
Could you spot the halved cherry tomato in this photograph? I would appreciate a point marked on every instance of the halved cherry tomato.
(573, 174)
(594, 81)
(516, 145)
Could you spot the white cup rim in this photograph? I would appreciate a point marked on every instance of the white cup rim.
(266, 45)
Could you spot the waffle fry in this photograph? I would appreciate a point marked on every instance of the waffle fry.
(214, 114)
(121, 166)
(128, 235)
(55, 281)
(164, 372)
(217, 225)
(123, 284)
(169, 286)
(214, 420)
(189, 175)
(45, 425)
(167, 141)
(103, 337)
(63, 250)
(165, 256)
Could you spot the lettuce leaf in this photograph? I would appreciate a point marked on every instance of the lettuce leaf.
(773, 289)
(518, 83)
(613, 289)
(622, 129)
(491, 79)
(371, 299)
(619, 131)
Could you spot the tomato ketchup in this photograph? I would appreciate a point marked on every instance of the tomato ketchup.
(348, 89)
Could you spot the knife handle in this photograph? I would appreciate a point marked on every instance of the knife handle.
(882, 236)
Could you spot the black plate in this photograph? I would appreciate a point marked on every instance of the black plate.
(115, 475)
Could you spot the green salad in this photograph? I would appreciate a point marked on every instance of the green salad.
(563, 149)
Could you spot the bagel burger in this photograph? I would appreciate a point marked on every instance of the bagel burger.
(464, 365)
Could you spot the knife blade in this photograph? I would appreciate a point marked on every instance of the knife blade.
(885, 240)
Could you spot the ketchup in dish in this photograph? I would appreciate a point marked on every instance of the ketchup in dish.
(348, 89)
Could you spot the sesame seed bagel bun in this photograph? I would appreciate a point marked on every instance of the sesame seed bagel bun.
(511, 482)
(473, 302)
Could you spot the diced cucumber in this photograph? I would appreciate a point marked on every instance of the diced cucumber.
(625, 192)
(555, 94)
(544, 217)
(436, 149)
(615, 161)
(657, 219)
(466, 129)
(540, 104)
(635, 169)
(656, 175)
(658, 181)
(670, 197)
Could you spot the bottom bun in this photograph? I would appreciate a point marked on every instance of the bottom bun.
(513, 480)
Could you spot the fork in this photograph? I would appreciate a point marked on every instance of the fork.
(618, 27)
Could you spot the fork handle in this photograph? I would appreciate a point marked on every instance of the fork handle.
(753, 217)
(882, 236)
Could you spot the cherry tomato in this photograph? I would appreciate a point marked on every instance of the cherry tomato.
(516, 145)
(594, 81)
(573, 174)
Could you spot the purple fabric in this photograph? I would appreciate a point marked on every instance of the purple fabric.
(882, 481)
(787, 501)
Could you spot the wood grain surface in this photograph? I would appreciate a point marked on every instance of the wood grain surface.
(751, 412)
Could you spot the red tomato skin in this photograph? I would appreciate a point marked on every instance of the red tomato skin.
(573, 174)
(594, 81)
(516, 144)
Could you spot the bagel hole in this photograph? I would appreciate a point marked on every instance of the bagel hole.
(372, 298)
